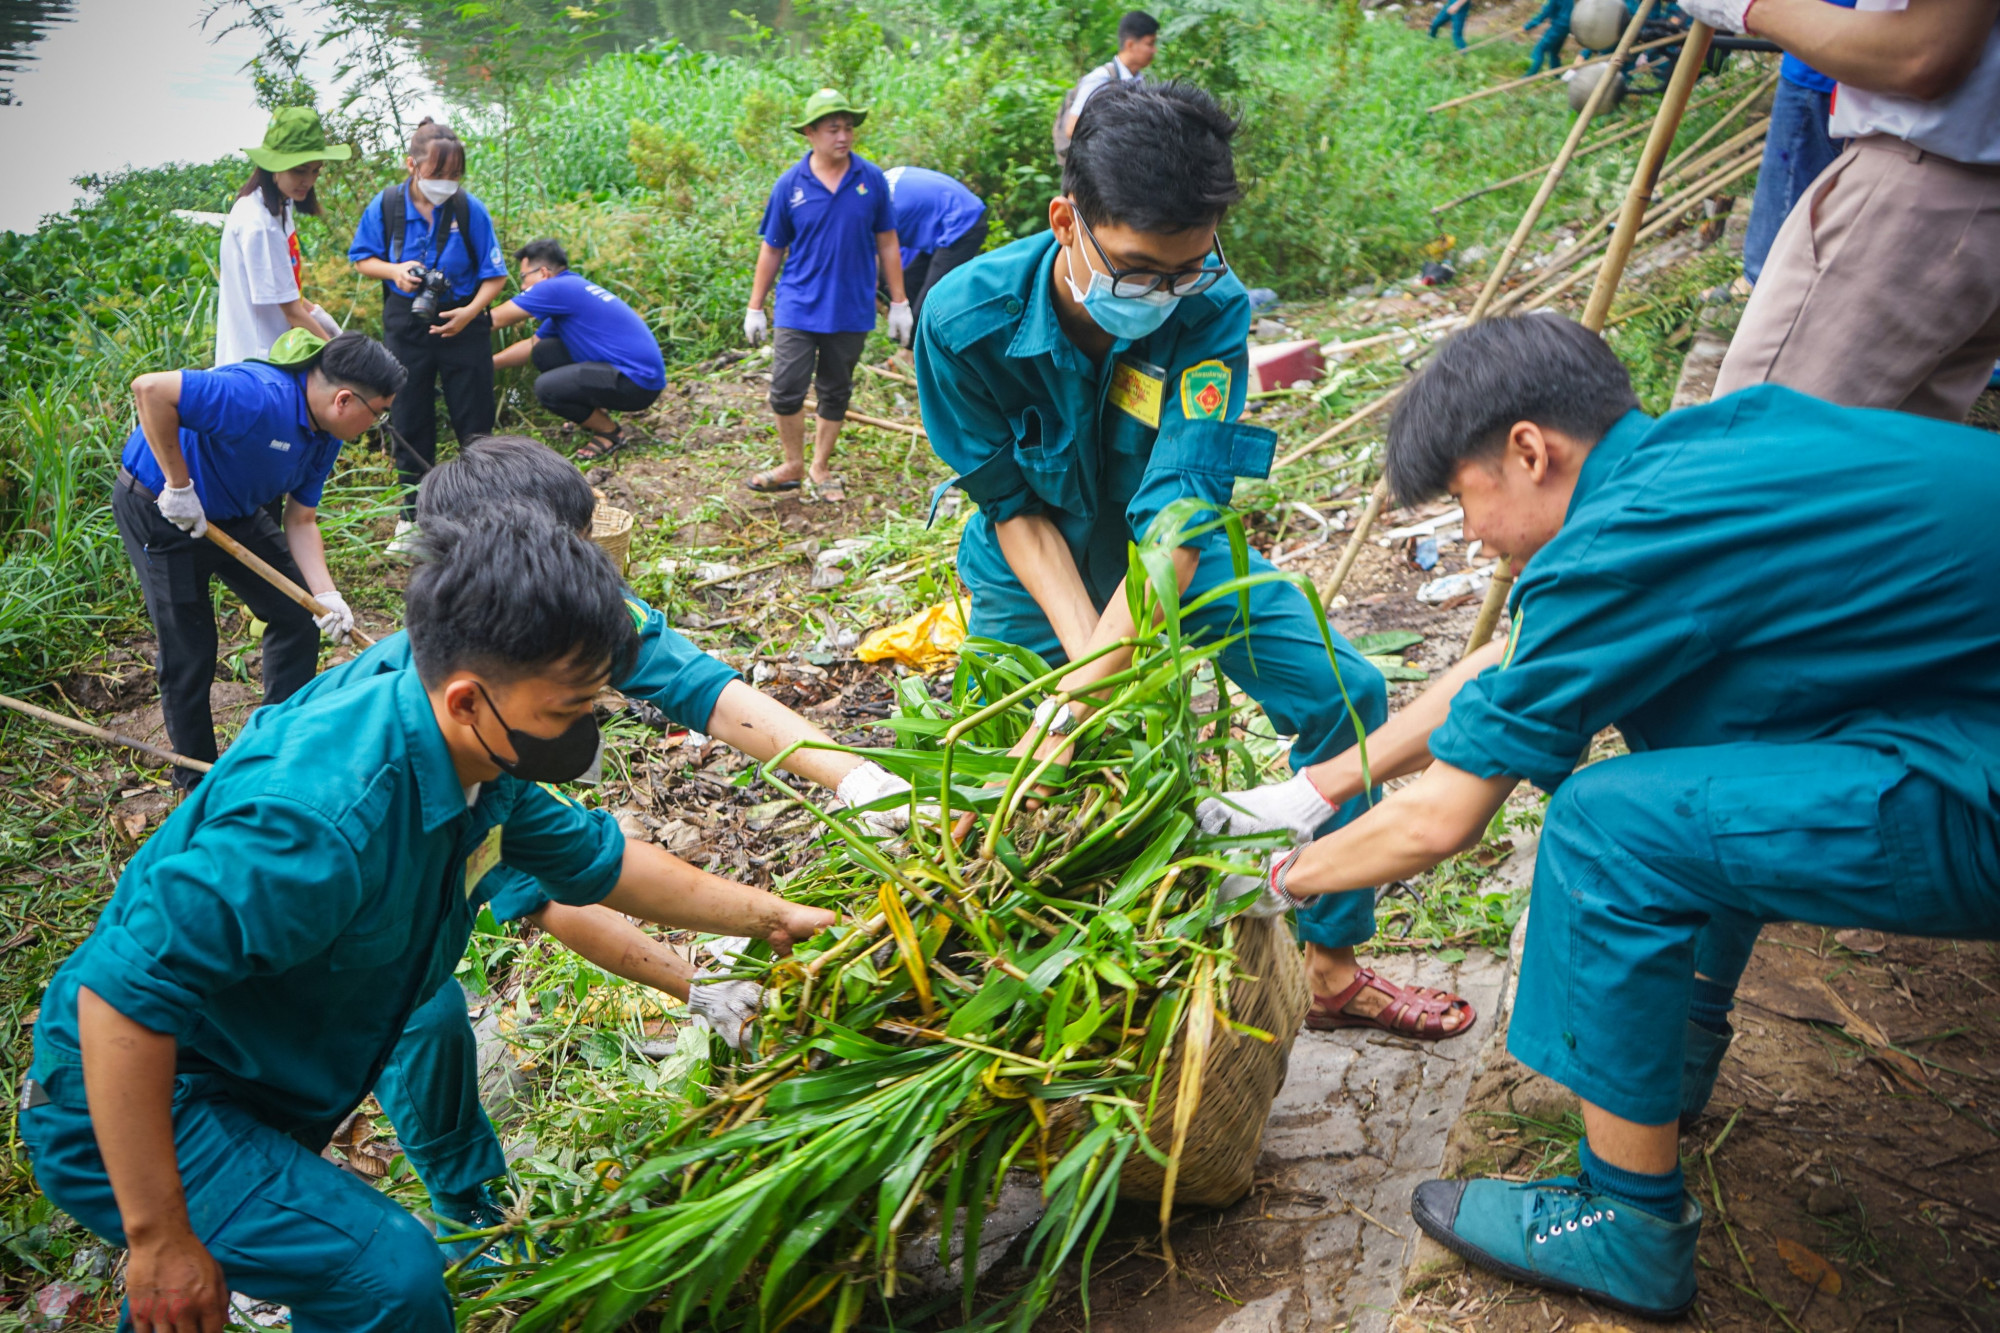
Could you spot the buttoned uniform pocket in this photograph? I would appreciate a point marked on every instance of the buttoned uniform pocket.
(1045, 451)
(1817, 832)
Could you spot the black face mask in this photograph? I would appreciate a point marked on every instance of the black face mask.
(561, 758)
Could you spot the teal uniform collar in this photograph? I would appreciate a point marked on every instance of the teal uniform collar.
(1607, 454)
(440, 795)
(1041, 332)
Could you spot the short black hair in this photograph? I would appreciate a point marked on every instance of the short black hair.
(356, 361)
(1136, 26)
(547, 250)
(1539, 367)
(1152, 156)
(513, 594)
(495, 471)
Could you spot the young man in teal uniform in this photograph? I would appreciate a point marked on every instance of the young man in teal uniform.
(257, 964)
(429, 1088)
(1080, 381)
(1784, 766)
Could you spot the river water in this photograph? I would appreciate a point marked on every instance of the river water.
(91, 86)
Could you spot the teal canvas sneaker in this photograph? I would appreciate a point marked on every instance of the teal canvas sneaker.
(1557, 1234)
(1701, 1061)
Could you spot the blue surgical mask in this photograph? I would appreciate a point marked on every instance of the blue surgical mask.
(1126, 317)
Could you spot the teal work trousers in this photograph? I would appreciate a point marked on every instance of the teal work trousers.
(1655, 866)
(1283, 666)
(285, 1224)
(430, 1092)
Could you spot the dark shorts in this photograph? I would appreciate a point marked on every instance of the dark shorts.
(826, 361)
(927, 267)
(574, 389)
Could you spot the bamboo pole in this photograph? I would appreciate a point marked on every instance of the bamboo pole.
(1757, 89)
(1526, 228)
(99, 733)
(1617, 56)
(1487, 40)
(1339, 428)
(257, 565)
(1352, 551)
(1666, 124)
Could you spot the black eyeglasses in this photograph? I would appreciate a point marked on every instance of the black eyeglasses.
(1130, 282)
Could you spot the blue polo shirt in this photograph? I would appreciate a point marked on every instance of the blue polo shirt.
(320, 883)
(467, 261)
(247, 437)
(828, 283)
(595, 326)
(1030, 425)
(681, 679)
(932, 210)
(1768, 567)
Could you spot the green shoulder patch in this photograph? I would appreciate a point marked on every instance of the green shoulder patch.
(1205, 391)
(1513, 640)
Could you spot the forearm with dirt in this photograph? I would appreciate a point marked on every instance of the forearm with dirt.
(658, 886)
(612, 942)
(761, 727)
(173, 1283)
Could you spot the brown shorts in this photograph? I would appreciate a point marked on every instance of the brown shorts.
(825, 360)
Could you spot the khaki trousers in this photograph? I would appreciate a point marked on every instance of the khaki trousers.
(1882, 288)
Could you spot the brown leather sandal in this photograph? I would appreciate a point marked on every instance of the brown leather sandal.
(1416, 1012)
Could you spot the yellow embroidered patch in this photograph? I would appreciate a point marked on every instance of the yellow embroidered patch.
(1136, 393)
(483, 859)
(1205, 391)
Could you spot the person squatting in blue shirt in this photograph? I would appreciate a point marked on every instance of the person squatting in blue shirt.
(264, 951)
(1806, 669)
(216, 447)
(940, 224)
(592, 353)
(1080, 382)
(430, 1086)
(831, 226)
(431, 221)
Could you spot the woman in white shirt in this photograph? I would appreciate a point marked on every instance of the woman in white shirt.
(262, 293)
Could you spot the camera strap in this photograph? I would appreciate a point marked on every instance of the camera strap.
(395, 218)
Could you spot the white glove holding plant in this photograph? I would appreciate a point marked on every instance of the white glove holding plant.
(756, 328)
(1294, 806)
(902, 324)
(180, 506)
(1721, 15)
(338, 620)
(1272, 900)
(869, 782)
(725, 1008)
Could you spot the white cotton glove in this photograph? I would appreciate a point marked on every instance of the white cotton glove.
(902, 324)
(338, 620)
(180, 506)
(1721, 15)
(325, 321)
(871, 782)
(1294, 805)
(756, 328)
(1270, 902)
(725, 1007)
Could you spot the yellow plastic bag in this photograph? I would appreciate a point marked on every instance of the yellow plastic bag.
(927, 641)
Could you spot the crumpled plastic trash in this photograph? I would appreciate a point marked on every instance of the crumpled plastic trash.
(1455, 585)
(927, 641)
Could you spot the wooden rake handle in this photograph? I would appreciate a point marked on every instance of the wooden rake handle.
(257, 565)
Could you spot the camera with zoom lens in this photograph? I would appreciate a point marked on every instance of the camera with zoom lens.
(432, 288)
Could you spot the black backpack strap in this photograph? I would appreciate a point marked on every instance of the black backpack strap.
(392, 222)
(456, 212)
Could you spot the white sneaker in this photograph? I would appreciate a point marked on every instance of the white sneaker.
(402, 544)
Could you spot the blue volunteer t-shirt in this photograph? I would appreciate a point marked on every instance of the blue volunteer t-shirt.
(1798, 71)
(465, 264)
(932, 210)
(248, 438)
(828, 285)
(595, 326)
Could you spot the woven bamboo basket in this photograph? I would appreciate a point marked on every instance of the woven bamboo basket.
(611, 528)
(1239, 1081)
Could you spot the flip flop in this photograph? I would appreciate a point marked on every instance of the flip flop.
(600, 448)
(832, 491)
(764, 484)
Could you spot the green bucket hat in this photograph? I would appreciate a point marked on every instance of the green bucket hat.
(825, 103)
(294, 137)
(294, 347)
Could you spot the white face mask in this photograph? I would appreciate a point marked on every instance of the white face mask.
(438, 191)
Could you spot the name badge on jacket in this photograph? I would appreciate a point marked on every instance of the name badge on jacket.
(1136, 388)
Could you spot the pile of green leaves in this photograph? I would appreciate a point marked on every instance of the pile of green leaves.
(1006, 1002)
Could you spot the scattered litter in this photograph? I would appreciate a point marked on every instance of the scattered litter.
(54, 1300)
(843, 551)
(926, 641)
(838, 641)
(264, 1314)
(1861, 941)
(1422, 552)
(827, 576)
(1455, 585)
(1426, 527)
(762, 672)
(1437, 275)
(704, 571)
(1261, 297)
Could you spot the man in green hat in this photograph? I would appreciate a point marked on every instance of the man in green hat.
(259, 269)
(831, 226)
